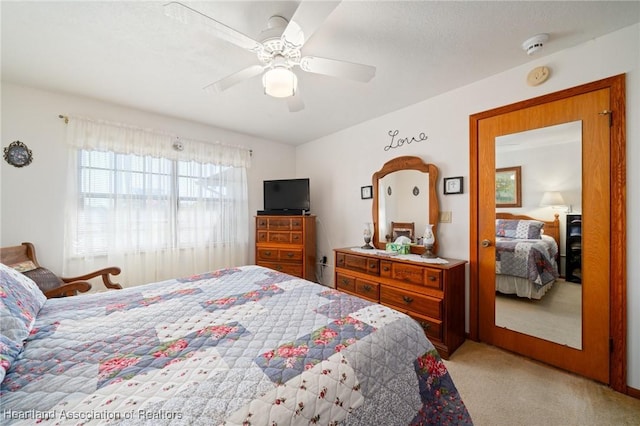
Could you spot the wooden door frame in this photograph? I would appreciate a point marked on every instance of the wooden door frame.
(618, 225)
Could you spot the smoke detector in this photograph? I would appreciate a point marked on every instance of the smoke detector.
(535, 43)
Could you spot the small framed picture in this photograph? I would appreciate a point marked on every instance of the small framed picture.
(453, 185)
(508, 190)
(366, 192)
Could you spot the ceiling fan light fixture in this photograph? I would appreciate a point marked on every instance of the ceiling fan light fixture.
(280, 82)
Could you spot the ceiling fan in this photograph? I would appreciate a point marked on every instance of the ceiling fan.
(278, 50)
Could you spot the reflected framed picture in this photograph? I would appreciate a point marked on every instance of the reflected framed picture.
(366, 192)
(508, 191)
(453, 185)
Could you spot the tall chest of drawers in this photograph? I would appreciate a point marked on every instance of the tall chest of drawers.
(287, 244)
(433, 294)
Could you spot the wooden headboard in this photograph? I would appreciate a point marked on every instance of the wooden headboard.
(551, 228)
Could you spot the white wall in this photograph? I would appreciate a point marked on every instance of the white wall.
(33, 197)
(341, 163)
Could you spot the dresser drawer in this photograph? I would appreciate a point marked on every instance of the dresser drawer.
(417, 275)
(362, 264)
(280, 224)
(290, 255)
(280, 237)
(407, 273)
(272, 253)
(385, 268)
(431, 327)
(408, 301)
(433, 278)
(368, 289)
(345, 282)
(286, 268)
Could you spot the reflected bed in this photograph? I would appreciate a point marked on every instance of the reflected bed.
(526, 255)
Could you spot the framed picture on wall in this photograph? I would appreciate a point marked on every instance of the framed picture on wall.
(508, 191)
(366, 192)
(453, 185)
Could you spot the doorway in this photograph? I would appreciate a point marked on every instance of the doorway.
(598, 108)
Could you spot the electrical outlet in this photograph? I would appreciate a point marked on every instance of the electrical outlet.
(445, 217)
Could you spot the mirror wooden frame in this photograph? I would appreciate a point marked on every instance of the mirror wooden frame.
(407, 163)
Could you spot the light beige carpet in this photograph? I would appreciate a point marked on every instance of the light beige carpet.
(556, 317)
(501, 388)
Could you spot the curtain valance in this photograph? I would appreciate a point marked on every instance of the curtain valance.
(100, 135)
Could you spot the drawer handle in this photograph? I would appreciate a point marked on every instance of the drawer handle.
(345, 281)
(407, 299)
(372, 266)
(367, 287)
(425, 325)
(267, 253)
(432, 278)
(289, 254)
(278, 267)
(386, 269)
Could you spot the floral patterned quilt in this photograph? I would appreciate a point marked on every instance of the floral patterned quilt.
(241, 346)
(532, 259)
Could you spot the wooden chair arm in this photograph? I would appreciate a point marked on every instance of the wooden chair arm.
(105, 273)
(70, 289)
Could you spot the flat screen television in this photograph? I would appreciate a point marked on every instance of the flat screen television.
(287, 195)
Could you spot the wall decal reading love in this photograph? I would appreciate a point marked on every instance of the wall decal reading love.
(398, 142)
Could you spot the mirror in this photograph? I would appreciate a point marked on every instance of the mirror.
(550, 182)
(404, 190)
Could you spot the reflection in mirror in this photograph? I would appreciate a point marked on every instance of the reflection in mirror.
(400, 202)
(404, 190)
(546, 304)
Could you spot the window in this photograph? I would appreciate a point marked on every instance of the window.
(136, 201)
(155, 203)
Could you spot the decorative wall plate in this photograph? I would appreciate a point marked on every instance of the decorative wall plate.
(537, 76)
(18, 154)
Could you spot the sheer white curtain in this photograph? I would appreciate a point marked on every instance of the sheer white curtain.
(154, 205)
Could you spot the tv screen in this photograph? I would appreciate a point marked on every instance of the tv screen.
(287, 194)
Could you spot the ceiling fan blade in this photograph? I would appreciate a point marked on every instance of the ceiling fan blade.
(295, 103)
(305, 21)
(336, 68)
(234, 78)
(190, 16)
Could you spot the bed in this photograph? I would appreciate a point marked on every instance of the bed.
(526, 255)
(237, 346)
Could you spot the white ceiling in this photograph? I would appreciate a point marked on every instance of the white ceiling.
(132, 54)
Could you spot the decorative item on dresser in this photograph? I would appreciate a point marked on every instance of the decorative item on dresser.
(287, 244)
(431, 293)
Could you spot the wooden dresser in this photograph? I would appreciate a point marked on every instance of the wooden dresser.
(433, 294)
(287, 244)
